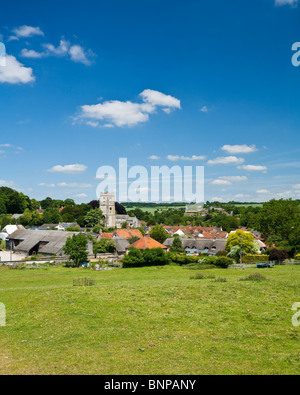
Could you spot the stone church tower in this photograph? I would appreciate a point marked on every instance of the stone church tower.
(107, 206)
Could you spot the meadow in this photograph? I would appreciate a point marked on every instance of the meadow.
(149, 321)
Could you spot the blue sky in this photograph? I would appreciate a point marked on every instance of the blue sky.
(207, 83)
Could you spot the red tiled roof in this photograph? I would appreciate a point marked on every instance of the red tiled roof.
(147, 242)
(107, 235)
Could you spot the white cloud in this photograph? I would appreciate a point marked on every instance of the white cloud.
(43, 184)
(239, 149)
(6, 183)
(292, 3)
(253, 168)
(297, 186)
(240, 196)
(154, 157)
(26, 32)
(30, 53)
(262, 191)
(92, 124)
(118, 113)
(217, 199)
(15, 73)
(156, 98)
(81, 195)
(227, 160)
(175, 158)
(74, 185)
(220, 182)
(76, 53)
(204, 109)
(68, 169)
(234, 178)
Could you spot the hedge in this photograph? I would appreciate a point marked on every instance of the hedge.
(255, 258)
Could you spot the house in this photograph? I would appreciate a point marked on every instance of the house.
(147, 242)
(121, 245)
(17, 216)
(44, 242)
(66, 225)
(200, 246)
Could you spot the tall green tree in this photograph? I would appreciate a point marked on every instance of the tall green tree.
(76, 249)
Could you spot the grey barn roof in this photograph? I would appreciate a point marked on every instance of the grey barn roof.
(52, 241)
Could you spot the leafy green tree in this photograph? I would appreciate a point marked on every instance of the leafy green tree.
(243, 240)
(76, 249)
(51, 216)
(177, 246)
(159, 234)
(93, 217)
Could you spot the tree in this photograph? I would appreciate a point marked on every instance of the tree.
(177, 246)
(278, 255)
(159, 234)
(51, 216)
(93, 217)
(124, 225)
(76, 249)
(242, 240)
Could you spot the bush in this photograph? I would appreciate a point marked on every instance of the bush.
(200, 276)
(148, 257)
(255, 258)
(278, 255)
(254, 277)
(221, 280)
(297, 257)
(224, 262)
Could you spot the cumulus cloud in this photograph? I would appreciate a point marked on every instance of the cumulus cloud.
(262, 191)
(234, 178)
(292, 3)
(220, 182)
(81, 195)
(120, 114)
(76, 168)
(228, 180)
(156, 98)
(253, 168)
(239, 149)
(154, 157)
(26, 32)
(204, 109)
(227, 160)
(74, 185)
(75, 52)
(15, 73)
(175, 158)
(4, 183)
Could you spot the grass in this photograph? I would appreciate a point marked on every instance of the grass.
(149, 321)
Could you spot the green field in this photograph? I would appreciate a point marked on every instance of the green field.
(149, 321)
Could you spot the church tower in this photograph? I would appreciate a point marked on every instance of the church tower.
(107, 206)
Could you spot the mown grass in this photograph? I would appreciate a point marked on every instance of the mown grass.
(149, 321)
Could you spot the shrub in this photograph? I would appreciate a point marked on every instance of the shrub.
(254, 277)
(297, 257)
(224, 262)
(148, 257)
(278, 255)
(200, 276)
(221, 280)
(197, 276)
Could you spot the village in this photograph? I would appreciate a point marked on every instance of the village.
(125, 232)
